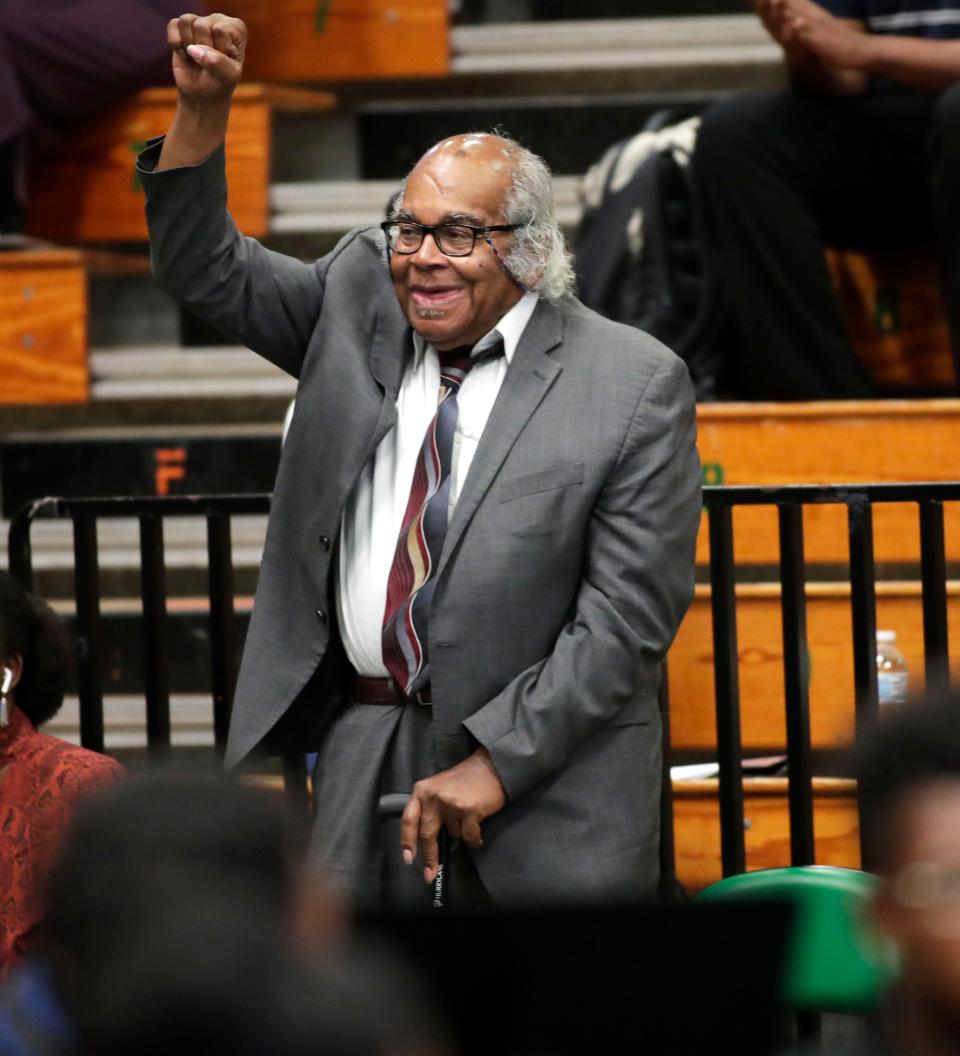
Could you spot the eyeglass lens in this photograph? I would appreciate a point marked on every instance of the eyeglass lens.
(452, 239)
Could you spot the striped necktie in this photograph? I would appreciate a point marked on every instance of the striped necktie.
(412, 581)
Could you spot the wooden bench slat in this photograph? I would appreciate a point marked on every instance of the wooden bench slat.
(329, 40)
(831, 443)
(766, 814)
(763, 724)
(90, 192)
(43, 327)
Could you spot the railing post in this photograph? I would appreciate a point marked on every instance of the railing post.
(796, 684)
(222, 641)
(153, 590)
(723, 604)
(87, 591)
(19, 547)
(933, 565)
(863, 611)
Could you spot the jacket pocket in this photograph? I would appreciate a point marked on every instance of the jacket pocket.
(542, 480)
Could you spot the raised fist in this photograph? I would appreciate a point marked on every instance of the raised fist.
(208, 55)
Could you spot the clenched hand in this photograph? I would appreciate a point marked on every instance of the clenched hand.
(458, 800)
(208, 54)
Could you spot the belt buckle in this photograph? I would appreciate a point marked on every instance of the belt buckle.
(418, 697)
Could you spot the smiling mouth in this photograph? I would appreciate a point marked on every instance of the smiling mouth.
(430, 300)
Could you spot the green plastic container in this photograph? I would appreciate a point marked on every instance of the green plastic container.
(835, 962)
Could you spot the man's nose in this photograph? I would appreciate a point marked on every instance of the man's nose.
(429, 254)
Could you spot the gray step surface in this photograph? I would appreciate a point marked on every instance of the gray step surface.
(736, 41)
(332, 207)
(159, 372)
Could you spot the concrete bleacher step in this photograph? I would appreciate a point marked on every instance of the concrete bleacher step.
(185, 555)
(223, 373)
(840, 442)
(569, 131)
(760, 654)
(647, 44)
(215, 390)
(336, 206)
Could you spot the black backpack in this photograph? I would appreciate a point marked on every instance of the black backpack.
(639, 249)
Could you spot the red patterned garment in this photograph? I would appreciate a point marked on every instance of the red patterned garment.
(41, 779)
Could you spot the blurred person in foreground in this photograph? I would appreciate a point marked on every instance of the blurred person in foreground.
(178, 916)
(909, 775)
(862, 150)
(55, 72)
(42, 778)
(482, 534)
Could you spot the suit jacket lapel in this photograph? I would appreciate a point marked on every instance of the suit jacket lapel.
(528, 379)
(392, 343)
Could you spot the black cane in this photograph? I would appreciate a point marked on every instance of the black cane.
(392, 806)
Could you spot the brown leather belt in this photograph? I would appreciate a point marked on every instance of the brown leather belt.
(384, 691)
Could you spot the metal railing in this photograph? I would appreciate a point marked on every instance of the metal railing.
(150, 511)
(789, 501)
(720, 502)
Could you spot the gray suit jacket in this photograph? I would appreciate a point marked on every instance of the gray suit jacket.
(567, 566)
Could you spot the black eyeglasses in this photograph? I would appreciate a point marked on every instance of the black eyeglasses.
(455, 240)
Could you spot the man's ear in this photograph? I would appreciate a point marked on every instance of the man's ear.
(13, 664)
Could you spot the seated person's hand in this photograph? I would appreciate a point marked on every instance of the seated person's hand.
(834, 41)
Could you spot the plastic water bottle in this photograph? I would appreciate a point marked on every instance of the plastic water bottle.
(891, 670)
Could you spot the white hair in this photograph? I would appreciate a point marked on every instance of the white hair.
(538, 257)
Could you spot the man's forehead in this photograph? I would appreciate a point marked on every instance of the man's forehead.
(481, 147)
(448, 181)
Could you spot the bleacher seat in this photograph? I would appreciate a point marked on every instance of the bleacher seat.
(766, 820)
(43, 327)
(763, 727)
(839, 442)
(329, 40)
(90, 193)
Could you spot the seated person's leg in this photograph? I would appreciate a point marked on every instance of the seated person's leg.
(14, 118)
(943, 151)
(11, 212)
(776, 172)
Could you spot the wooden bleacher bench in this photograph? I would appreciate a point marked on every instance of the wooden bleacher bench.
(697, 826)
(763, 726)
(329, 40)
(43, 327)
(842, 442)
(90, 193)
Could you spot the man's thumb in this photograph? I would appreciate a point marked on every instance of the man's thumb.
(223, 68)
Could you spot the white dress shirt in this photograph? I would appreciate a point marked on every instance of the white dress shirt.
(374, 512)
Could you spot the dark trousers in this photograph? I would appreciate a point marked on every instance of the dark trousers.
(780, 175)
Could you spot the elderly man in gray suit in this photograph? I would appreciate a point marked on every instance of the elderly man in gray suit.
(482, 536)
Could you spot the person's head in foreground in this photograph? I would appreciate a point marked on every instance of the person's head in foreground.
(179, 916)
(34, 656)
(909, 773)
(471, 230)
